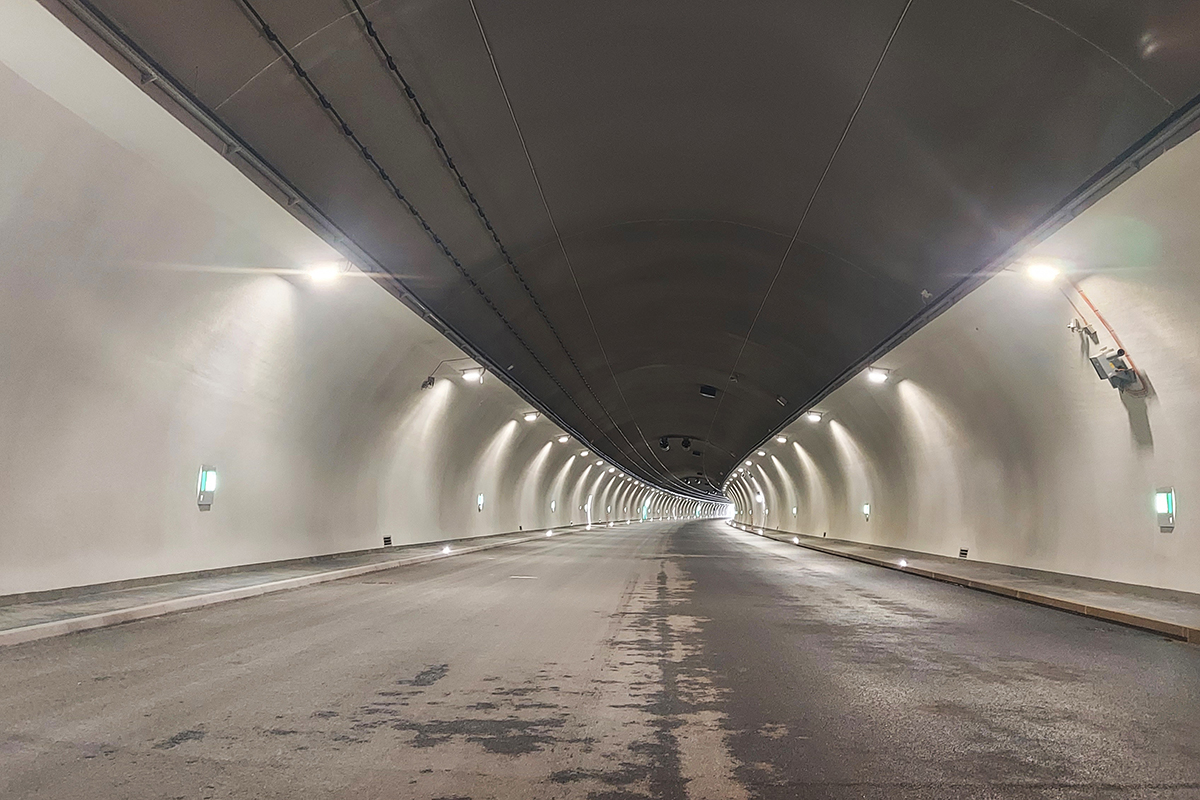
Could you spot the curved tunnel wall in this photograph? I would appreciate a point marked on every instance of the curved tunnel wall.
(144, 332)
(994, 433)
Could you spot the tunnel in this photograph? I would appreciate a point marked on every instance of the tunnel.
(466, 399)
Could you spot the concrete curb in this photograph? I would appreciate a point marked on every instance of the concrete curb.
(1171, 629)
(46, 630)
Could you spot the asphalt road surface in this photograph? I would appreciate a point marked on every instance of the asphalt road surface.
(662, 660)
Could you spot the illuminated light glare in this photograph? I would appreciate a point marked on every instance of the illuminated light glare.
(903, 563)
(599, 463)
(612, 469)
(795, 540)
(473, 375)
(549, 534)
(563, 439)
(749, 464)
(762, 452)
(1042, 272)
(877, 374)
(1162, 503)
(813, 416)
(208, 480)
(323, 273)
(446, 550)
(530, 416)
(585, 454)
(781, 439)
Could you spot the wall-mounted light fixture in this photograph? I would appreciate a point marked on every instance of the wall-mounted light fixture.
(553, 505)
(813, 416)
(564, 439)
(794, 511)
(479, 502)
(584, 454)
(749, 464)
(762, 452)
(206, 488)
(1042, 271)
(866, 509)
(473, 375)
(530, 416)
(781, 439)
(1164, 506)
(877, 374)
(325, 272)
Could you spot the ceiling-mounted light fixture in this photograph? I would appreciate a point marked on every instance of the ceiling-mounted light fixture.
(473, 375)
(781, 439)
(749, 464)
(664, 443)
(813, 416)
(584, 454)
(564, 439)
(599, 463)
(877, 374)
(530, 416)
(762, 452)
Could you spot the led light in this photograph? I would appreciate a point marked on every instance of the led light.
(749, 464)
(553, 505)
(446, 550)
(563, 439)
(793, 511)
(530, 416)
(1162, 502)
(620, 474)
(549, 534)
(323, 273)
(762, 452)
(208, 480)
(479, 502)
(813, 416)
(795, 540)
(877, 374)
(1042, 272)
(585, 454)
(781, 439)
(599, 463)
(903, 563)
(759, 497)
(474, 375)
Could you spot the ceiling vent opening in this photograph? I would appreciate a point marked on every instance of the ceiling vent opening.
(707, 391)
(387, 541)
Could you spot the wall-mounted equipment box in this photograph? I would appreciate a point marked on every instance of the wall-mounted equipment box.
(206, 489)
(1164, 506)
(866, 509)
(1112, 366)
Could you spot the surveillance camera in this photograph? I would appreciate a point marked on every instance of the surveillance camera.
(687, 444)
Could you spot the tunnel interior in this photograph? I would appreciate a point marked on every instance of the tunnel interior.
(655, 354)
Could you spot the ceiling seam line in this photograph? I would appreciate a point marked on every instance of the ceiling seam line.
(811, 200)
(382, 174)
(410, 93)
(1096, 47)
(562, 248)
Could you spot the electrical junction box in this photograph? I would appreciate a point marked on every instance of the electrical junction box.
(1111, 366)
(207, 487)
(1164, 506)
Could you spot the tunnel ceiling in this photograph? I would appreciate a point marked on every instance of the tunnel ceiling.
(750, 196)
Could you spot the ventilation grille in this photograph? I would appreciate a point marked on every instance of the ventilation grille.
(387, 541)
(708, 391)
(962, 553)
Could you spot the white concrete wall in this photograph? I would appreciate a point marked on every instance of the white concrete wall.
(145, 329)
(995, 434)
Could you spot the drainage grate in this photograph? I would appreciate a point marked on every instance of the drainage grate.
(387, 541)
(962, 553)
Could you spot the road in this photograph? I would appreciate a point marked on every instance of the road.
(662, 660)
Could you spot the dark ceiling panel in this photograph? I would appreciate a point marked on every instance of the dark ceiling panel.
(677, 146)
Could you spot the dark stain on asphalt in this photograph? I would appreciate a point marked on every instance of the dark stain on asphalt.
(180, 738)
(428, 676)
